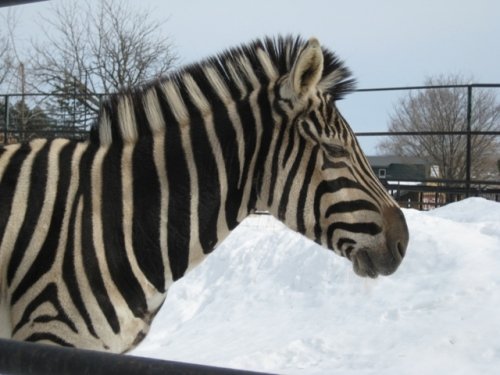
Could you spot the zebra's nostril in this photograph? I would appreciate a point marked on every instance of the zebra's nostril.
(397, 235)
(401, 249)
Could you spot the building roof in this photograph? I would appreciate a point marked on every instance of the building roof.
(386, 160)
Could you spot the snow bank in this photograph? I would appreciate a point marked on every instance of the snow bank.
(270, 300)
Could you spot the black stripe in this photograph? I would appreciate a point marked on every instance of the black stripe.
(307, 129)
(249, 124)
(46, 336)
(351, 206)
(69, 267)
(179, 197)
(313, 118)
(290, 144)
(146, 220)
(47, 295)
(38, 180)
(90, 263)
(113, 233)
(226, 134)
(277, 148)
(328, 164)
(343, 241)
(265, 145)
(8, 185)
(209, 197)
(366, 228)
(291, 178)
(311, 167)
(371, 229)
(325, 187)
(141, 120)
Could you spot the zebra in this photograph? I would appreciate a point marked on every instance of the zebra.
(93, 232)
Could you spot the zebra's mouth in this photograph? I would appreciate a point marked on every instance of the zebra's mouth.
(367, 263)
(363, 265)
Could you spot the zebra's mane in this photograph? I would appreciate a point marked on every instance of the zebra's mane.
(123, 118)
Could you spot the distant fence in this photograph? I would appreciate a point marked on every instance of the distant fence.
(27, 116)
(435, 192)
(23, 117)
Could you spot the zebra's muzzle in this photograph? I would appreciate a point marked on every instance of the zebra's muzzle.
(384, 259)
(370, 265)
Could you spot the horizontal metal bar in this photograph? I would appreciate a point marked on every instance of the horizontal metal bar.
(441, 181)
(371, 89)
(358, 134)
(39, 359)
(430, 87)
(413, 133)
(441, 189)
(69, 131)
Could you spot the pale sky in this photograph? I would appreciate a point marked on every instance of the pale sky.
(384, 42)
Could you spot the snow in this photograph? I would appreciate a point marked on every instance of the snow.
(270, 300)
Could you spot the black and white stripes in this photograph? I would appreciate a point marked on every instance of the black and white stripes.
(93, 233)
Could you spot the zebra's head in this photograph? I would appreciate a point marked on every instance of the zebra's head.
(319, 181)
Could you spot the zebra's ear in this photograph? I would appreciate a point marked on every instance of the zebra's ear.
(307, 69)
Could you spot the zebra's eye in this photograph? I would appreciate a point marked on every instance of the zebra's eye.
(335, 151)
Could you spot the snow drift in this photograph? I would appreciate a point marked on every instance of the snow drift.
(270, 300)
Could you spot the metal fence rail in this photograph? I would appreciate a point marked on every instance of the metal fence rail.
(468, 132)
(41, 359)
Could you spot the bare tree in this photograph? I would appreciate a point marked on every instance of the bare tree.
(5, 58)
(7, 49)
(92, 49)
(445, 110)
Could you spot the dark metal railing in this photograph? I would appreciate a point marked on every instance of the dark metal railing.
(468, 183)
(40, 359)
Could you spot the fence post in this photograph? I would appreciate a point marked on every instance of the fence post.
(6, 118)
(469, 141)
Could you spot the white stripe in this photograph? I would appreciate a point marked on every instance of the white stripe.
(126, 118)
(236, 79)
(267, 65)
(153, 111)
(105, 133)
(176, 104)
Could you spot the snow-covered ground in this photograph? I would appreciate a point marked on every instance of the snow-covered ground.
(270, 300)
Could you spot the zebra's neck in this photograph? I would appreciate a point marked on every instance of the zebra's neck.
(198, 175)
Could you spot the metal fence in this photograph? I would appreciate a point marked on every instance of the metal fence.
(23, 117)
(41, 359)
(27, 116)
(434, 192)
